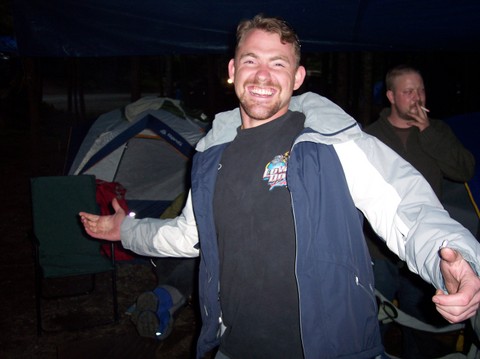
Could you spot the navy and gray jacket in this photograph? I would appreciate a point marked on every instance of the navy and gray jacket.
(334, 170)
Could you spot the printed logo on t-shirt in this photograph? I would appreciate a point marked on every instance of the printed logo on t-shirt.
(276, 171)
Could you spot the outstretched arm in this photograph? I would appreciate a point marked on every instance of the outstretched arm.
(104, 227)
(154, 237)
(403, 210)
(463, 286)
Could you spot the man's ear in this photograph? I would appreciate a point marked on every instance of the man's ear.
(299, 77)
(390, 96)
(231, 70)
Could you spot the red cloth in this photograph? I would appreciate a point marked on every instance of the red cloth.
(106, 192)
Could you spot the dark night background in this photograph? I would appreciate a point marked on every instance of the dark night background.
(41, 107)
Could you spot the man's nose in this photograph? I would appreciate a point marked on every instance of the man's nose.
(263, 73)
(416, 95)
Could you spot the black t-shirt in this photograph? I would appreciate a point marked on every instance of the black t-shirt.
(256, 237)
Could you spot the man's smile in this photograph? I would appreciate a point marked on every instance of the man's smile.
(261, 91)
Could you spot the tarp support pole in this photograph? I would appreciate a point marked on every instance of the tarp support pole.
(135, 91)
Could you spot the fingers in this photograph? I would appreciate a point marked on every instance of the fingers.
(422, 111)
(457, 314)
(459, 299)
(449, 255)
(115, 205)
(89, 221)
(456, 318)
(91, 224)
(463, 287)
(456, 307)
(420, 117)
(88, 216)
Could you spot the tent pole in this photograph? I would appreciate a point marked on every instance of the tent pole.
(125, 147)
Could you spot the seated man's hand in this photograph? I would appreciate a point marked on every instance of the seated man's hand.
(104, 227)
(463, 286)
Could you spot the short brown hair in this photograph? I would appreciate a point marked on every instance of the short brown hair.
(272, 25)
(397, 71)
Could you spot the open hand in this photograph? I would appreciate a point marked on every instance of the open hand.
(104, 227)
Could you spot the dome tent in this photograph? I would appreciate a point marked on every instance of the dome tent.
(145, 148)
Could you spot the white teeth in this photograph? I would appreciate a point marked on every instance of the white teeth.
(262, 91)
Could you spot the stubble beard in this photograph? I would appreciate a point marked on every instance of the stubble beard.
(404, 115)
(258, 110)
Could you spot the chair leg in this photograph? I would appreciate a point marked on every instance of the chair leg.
(38, 294)
(114, 295)
(114, 283)
(39, 314)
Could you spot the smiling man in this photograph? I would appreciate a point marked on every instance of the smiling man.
(273, 214)
(265, 74)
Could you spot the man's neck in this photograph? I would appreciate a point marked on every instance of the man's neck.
(397, 121)
(248, 122)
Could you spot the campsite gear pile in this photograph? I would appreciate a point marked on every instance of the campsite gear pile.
(454, 341)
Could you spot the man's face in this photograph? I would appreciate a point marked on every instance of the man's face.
(407, 92)
(265, 75)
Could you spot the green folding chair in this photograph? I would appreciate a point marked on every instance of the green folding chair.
(62, 248)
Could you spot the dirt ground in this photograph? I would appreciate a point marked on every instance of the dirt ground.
(24, 155)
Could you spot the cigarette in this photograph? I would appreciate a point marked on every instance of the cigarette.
(425, 109)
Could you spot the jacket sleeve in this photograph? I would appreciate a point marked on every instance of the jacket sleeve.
(402, 208)
(177, 237)
(454, 160)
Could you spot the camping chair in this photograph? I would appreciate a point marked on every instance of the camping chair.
(63, 251)
(465, 332)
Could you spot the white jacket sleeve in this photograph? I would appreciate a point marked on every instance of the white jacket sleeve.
(177, 237)
(402, 208)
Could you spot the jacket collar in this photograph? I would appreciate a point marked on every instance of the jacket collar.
(332, 124)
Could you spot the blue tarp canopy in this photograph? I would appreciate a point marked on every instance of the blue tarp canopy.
(90, 28)
(465, 127)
